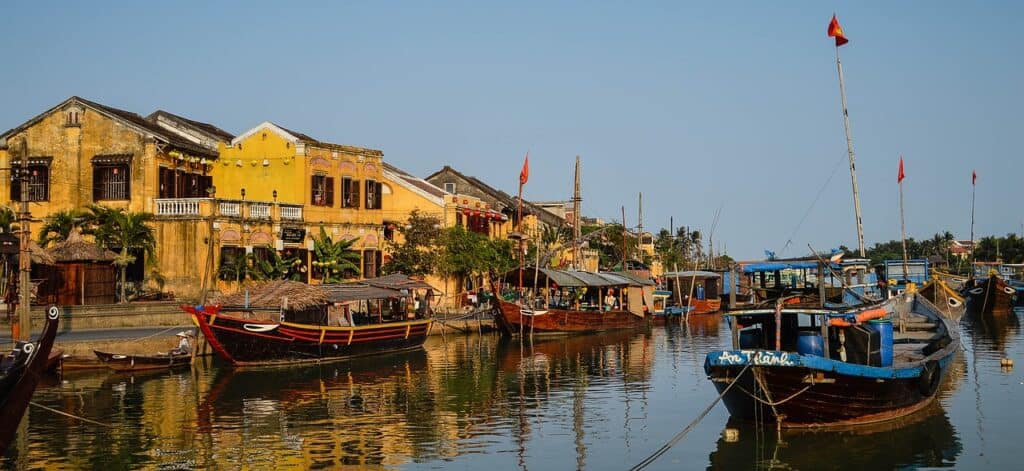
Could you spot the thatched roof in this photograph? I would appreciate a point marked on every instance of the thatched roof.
(77, 249)
(271, 294)
(39, 256)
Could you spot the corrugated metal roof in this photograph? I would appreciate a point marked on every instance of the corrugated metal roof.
(690, 274)
(630, 278)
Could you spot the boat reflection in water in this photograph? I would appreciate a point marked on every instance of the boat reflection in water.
(992, 333)
(923, 439)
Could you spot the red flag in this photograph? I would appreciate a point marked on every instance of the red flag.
(524, 174)
(836, 31)
(901, 176)
(974, 177)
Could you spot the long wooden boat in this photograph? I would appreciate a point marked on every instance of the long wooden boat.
(244, 341)
(703, 297)
(20, 371)
(990, 296)
(133, 362)
(513, 319)
(842, 370)
(944, 297)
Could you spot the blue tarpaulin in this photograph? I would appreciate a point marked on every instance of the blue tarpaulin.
(777, 266)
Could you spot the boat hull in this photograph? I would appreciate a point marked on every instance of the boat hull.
(20, 372)
(121, 362)
(992, 296)
(251, 342)
(706, 306)
(829, 399)
(511, 320)
(945, 299)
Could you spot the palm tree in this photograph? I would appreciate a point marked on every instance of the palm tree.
(59, 225)
(279, 267)
(240, 268)
(334, 258)
(126, 231)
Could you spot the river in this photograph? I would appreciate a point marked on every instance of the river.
(483, 402)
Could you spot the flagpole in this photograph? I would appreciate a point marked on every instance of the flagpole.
(849, 149)
(519, 214)
(974, 186)
(903, 225)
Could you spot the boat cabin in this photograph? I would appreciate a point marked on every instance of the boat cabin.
(699, 284)
(582, 291)
(806, 282)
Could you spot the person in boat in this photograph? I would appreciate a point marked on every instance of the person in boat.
(700, 292)
(609, 300)
(184, 346)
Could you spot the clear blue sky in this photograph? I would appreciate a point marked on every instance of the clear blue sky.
(732, 105)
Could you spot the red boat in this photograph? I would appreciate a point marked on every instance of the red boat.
(700, 290)
(289, 322)
(20, 371)
(514, 319)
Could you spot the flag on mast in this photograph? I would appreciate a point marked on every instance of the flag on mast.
(974, 177)
(524, 174)
(836, 31)
(901, 175)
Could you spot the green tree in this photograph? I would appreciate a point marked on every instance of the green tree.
(333, 259)
(277, 267)
(127, 232)
(239, 266)
(418, 253)
(7, 219)
(468, 255)
(58, 226)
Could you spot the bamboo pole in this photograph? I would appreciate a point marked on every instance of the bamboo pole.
(849, 150)
(903, 228)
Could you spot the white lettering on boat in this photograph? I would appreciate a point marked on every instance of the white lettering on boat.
(759, 358)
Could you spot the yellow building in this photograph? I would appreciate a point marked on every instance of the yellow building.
(278, 188)
(81, 152)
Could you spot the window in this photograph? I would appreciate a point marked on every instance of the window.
(449, 187)
(73, 117)
(349, 193)
(38, 181)
(373, 194)
(323, 191)
(110, 182)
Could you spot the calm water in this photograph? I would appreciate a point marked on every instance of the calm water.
(481, 402)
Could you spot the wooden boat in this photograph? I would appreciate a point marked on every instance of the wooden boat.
(841, 370)
(576, 302)
(696, 291)
(289, 322)
(133, 362)
(990, 296)
(20, 371)
(945, 298)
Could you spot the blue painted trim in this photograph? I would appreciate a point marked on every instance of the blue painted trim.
(777, 359)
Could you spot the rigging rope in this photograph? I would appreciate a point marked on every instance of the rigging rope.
(679, 436)
(83, 419)
(821, 191)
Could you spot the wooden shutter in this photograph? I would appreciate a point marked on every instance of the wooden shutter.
(355, 194)
(380, 195)
(312, 190)
(329, 191)
(97, 183)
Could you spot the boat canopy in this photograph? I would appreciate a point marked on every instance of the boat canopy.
(575, 279)
(700, 274)
(778, 266)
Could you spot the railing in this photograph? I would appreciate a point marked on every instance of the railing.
(230, 209)
(178, 206)
(291, 212)
(259, 210)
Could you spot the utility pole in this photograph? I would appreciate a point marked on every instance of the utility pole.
(22, 319)
(576, 208)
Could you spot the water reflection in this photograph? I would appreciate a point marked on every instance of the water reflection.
(991, 333)
(924, 439)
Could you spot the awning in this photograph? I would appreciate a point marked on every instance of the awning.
(691, 274)
(777, 266)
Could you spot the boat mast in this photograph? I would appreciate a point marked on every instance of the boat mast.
(576, 204)
(974, 178)
(640, 224)
(849, 150)
(903, 224)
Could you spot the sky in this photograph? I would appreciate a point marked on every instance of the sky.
(727, 107)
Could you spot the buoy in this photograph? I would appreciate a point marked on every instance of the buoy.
(1006, 362)
(732, 435)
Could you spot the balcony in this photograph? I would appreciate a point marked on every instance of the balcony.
(291, 213)
(259, 210)
(179, 207)
(231, 209)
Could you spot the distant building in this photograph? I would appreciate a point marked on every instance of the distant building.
(961, 249)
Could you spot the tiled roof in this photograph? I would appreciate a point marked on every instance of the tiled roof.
(205, 127)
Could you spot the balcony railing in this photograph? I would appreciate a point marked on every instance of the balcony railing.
(293, 213)
(230, 209)
(178, 206)
(259, 210)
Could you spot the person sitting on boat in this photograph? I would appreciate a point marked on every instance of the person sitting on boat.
(609, 301)
(184, 346)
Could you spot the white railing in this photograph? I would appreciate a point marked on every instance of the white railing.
(230, 209)
(178, 206)
(291, 212)
(259, 210)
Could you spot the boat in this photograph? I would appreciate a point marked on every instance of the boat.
(802, 367)
(286, 322)
(20, 371)
(944, 297)
(695, 291)
(804, 282)
(990, 296)
(135, 362)
(570, 301)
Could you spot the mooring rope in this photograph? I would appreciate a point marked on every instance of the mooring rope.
(776, 403)
(679, 436)
(154, 335)
(83, 419)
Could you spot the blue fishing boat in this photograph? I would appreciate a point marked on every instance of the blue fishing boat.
(807, 367)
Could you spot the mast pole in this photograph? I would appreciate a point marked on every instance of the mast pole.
(576, 200)
(640, 223)
(625, 231)
(973, 188)
(849, 150)
(903, 227)
(519, 215)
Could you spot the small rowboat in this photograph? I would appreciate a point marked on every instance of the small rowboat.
(129, 362)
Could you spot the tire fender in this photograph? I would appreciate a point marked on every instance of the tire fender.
(931, 375)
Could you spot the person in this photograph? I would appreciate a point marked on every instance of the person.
(183, 344)
(700, 292)
(609, 300)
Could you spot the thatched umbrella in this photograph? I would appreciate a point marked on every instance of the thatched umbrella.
(77, 249)
(271, 294)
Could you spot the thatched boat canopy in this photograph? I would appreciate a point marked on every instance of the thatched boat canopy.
(39, 256)
(77, 249)
(271, 294)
